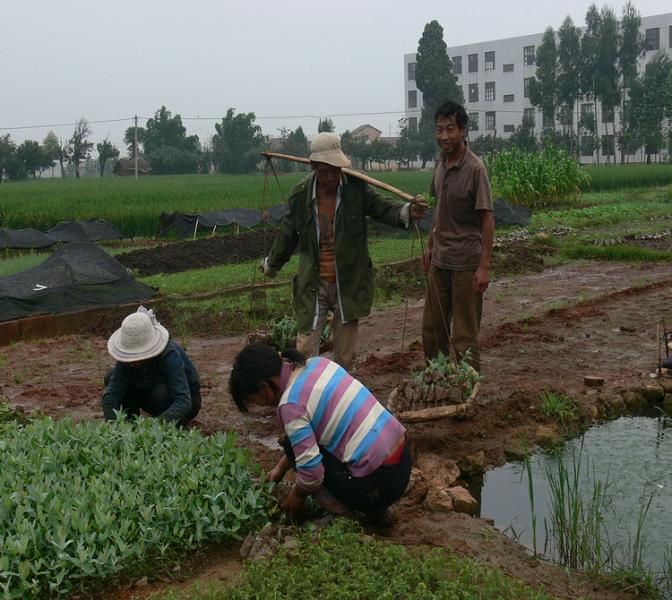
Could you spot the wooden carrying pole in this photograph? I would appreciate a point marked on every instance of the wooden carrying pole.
(370, 180)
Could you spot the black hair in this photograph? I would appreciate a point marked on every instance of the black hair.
(450, 108)
(255, 365)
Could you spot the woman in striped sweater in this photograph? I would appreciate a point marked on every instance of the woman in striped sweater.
(348, 451)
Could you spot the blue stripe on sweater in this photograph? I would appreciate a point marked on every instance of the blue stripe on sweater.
(295, 391)
(347, 417)
(339, 375)
(371, 436)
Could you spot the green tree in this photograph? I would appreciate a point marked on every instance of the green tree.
(31, 157)
(129, 140)
(544, 86)
(167, 146)
(630, 49)
(106, 151)
(523, 137)
(51, 150)
(79, 146)
(405, 151)
(569, 67)
(589, 50)
(606, 67)
(325, 125)
(7, 155)
(297, 143)
(651, 98)
(237, 143)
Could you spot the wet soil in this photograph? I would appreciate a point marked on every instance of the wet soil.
(198, 254)
(542, 331)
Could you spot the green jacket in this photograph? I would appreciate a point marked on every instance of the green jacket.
(354, 271)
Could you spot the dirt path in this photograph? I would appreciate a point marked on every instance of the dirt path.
(541, 331)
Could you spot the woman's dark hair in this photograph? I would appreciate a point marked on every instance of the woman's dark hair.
(255, 365)
(450, 108)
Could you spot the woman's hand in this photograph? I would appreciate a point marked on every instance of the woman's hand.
(295, 503)
(277, 473)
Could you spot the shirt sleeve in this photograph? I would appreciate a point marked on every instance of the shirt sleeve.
(309, 467)
(482, 188)
(172, 370)
(114, 392)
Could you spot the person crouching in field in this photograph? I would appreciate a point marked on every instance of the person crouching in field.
(348, 451)
(152, 373)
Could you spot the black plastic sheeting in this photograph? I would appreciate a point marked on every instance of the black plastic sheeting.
(185, 224)
(508, 214)
(77, 276)
(69, 231)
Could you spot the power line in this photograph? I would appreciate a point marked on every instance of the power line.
(65, 124)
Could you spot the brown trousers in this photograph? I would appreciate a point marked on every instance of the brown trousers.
(344, 334)
(451, 307)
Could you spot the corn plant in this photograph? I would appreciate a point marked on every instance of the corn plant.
(80, 502)
(536, 180)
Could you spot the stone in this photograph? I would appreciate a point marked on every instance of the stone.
(515, 450)
(653, 393)
(666, 384)
(463, 501)
(291, 544)
(439, 500)
(434, 466)
(593, 381)
(247, 545)
(473, 464)
(547, 435)
(142, 582)
(417, 487)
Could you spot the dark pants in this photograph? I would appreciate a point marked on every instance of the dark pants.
(372, 493)
(154, 401)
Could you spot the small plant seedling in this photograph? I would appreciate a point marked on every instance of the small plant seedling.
(558, 406)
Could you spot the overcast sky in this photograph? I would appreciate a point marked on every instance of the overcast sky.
(60, 60)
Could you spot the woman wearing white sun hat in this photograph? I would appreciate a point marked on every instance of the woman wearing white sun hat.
(152, 373)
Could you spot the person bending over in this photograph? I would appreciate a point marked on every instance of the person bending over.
(348, 451)
(152, 373)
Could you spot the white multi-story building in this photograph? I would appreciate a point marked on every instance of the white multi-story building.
(495, 78)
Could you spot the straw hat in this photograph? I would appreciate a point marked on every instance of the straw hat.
(140, 337)
(326, 148)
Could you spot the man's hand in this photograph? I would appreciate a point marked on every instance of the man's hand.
(426, 259)
(418, 208)
(480, 281)
(277, 473)
(295, 503)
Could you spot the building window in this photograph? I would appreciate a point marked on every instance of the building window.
(548, 119)
(528, 117)
(608, 145)
(473, 92)
(652, 41)
(586, 146)
(508, 97)
(508, 68)
(413, 123)
(457, 65)
(412, 99)
(473, 63)
(509, 128)
(528, 55)
(489, 91)
(489, 61)
(473, 121)
(490, 121)
(586, 109)
(607, 114)
(411, 71)
(526, 86)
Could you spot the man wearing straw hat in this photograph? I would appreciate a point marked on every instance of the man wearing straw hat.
(152, 373)
(327, 221)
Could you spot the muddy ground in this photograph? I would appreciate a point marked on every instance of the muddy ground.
(542, 331)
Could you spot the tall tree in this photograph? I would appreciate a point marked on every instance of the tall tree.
(106, 151)
(51, 150)
(544, 86)
(589, 50)
(651, 97)
(167, 146)
(606, 68)
(435, 78)
(31, 157)
(129, 140)
(7, 155)
(237, 143)
(630, 49)
(325, 125)
(80, 147)
(569, 66)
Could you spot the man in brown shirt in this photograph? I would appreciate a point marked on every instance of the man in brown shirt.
(459, 247)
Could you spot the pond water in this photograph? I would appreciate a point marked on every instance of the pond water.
(633, 454)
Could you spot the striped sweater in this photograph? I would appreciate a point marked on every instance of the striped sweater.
(324, 406)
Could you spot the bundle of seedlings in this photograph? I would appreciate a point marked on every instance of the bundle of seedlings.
(445, 387)
(282, 334)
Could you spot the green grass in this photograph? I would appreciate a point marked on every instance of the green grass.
(82, 502)
(617, 177)
(557, 406)
(135, 206)
(617, 253)
(342, 565)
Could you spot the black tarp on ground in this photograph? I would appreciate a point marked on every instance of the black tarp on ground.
(77, 276)
(68, 231)
(508, 214)
(184, 223)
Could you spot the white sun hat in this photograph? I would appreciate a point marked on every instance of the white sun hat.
(326, 148)
(140, 337)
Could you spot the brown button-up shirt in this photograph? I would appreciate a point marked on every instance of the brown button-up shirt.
(462, 191)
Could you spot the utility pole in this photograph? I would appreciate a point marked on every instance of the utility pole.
(135, 147)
